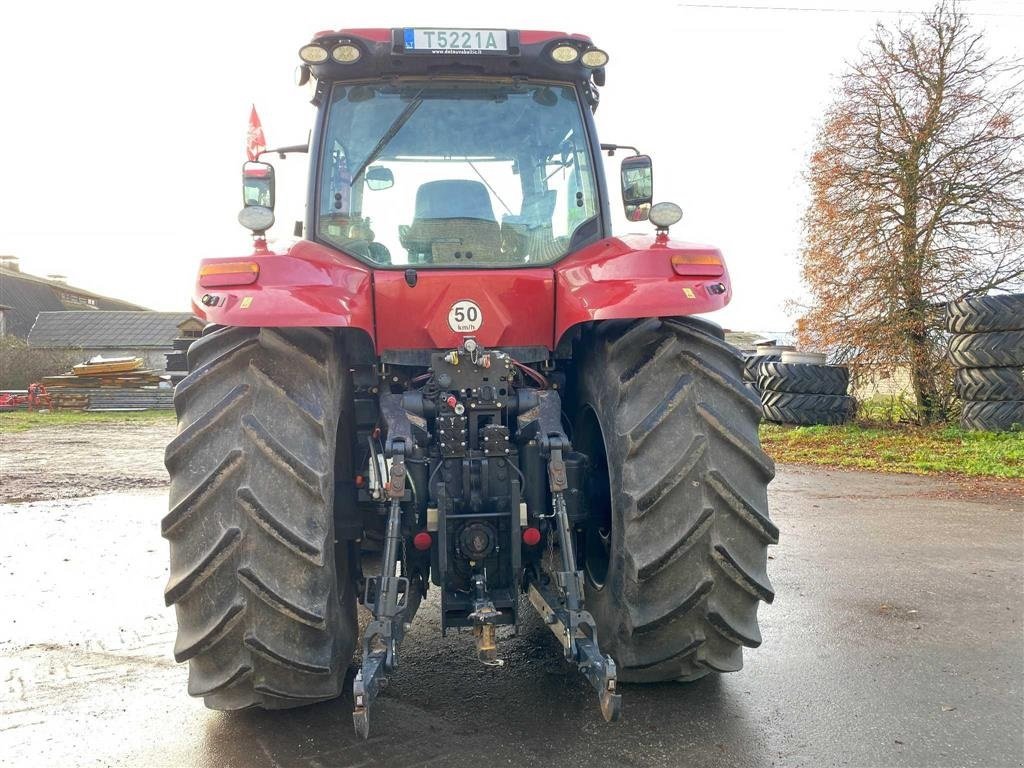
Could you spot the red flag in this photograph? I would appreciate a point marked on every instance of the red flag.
(255, 141)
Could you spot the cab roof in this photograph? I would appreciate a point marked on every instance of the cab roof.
(387, 53)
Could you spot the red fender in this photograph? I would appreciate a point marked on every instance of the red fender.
(309, 285)
(315, 286)
(638, 276)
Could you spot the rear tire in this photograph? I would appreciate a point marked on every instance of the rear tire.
(981, 314)
(987, 350)
(807, 410)
(802, 378)
(993, 416)
(752, 365)
(263, 618)
(663, 412)
(989, 383)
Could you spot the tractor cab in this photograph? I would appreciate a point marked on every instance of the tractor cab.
(457, 148)
(456, 172)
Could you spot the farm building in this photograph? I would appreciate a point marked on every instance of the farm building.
(149, 335)
(742, 340)
(23, 296)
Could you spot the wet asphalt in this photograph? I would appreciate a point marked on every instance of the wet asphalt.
(896, 639)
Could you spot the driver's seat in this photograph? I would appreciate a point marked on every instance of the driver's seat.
(453, 223)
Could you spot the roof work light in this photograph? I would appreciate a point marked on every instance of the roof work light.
(313, 54)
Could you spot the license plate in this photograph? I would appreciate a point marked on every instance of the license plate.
(456, 40)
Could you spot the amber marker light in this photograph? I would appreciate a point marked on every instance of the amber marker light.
(698, 264)
(228, 273)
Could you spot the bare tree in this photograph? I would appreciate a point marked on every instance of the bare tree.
(917, 198)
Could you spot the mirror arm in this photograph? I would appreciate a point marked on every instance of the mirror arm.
(283, 151)
(612, 147)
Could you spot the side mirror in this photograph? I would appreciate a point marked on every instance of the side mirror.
(258, 185)
(637, 187)
(257, 197)
(379, 177)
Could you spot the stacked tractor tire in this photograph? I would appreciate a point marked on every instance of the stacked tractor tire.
(176, 360)
(752, 367)
(987, 346)
(799, 388)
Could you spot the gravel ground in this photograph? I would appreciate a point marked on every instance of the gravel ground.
(77, 460)
(895, 640)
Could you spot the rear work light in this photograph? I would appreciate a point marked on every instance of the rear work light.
(565, 54)
(313, 54)
(664, 215)
(594, 58)
(228, 273)
(346, 53)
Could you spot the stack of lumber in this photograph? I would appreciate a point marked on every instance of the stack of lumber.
(69, 401)
(122, 372)
(104, 384)
(140, 399)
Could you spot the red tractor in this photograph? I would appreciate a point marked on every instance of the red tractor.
(460, 378)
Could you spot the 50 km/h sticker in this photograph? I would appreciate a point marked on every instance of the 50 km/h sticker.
(465, 316)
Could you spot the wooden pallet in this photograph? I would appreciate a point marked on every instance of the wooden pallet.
(115, 365)
(118, 398)
(133, 380)
(67, 401)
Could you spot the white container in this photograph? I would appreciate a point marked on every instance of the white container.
(804, 358)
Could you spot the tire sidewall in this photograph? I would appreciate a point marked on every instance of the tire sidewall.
(607, 610)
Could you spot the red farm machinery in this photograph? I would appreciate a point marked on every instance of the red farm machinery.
(459, 379)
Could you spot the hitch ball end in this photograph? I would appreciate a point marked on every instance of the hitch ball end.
(611, 706)
(361, 721)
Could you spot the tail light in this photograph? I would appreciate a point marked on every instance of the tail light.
(228, 273)
(698, 264)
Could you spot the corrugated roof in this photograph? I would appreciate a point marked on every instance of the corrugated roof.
(28, 295)
(26, 298)
(112, 330)
(742, 340)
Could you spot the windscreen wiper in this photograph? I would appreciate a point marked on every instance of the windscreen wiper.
(488, 185)
(395, 127)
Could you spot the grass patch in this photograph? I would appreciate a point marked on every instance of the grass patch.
(899, 448)
(888, 409)
(887, 448)
(20, 421)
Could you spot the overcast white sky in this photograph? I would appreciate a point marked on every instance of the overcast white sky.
(122, 125)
